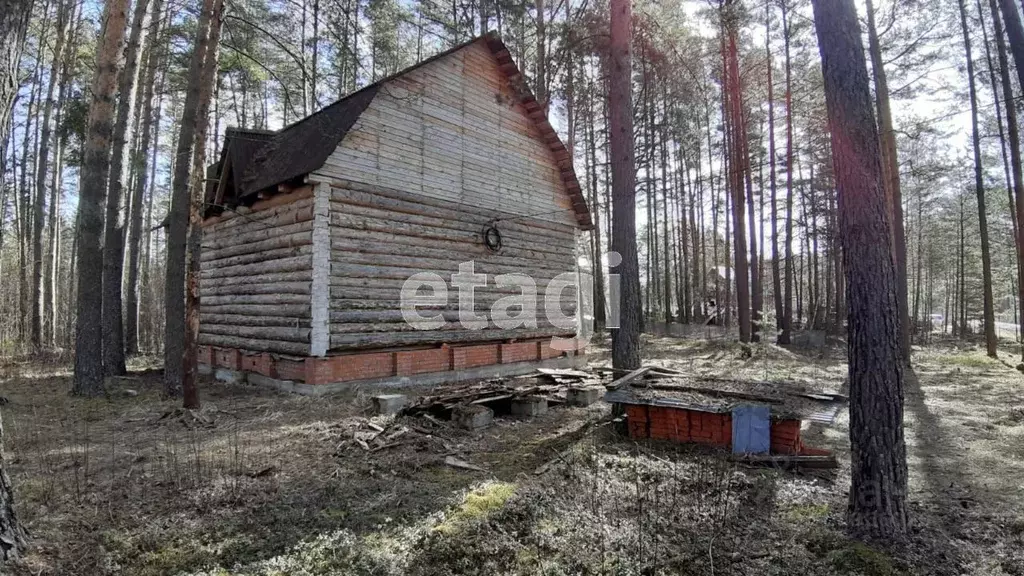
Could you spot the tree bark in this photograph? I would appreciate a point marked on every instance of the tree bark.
(878, 494)
(1015, 32)
(42, 159)
(626, 337)
(733, 94)
(14, 15)
(113, 248)
(178, 215)
(140, 160)
(786, 329)
(979, 189)
(95, 169)
(891, 178)
(207, 81)
(773, 206)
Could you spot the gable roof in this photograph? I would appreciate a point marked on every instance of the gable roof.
(251, 163)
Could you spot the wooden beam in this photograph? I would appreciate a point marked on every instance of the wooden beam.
(623, 381)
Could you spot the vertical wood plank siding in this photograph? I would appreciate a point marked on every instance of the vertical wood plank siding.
(256, 276)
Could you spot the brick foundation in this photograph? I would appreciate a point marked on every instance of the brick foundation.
(715, 429)
(377, 364)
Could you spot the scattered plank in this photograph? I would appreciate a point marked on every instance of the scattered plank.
(826, 462)
(713, 392)
(621, 382)
(462, 464)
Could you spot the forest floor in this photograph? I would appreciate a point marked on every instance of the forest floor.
(271, 484)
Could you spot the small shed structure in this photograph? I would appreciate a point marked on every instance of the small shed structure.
(311, 232)
(745, 416)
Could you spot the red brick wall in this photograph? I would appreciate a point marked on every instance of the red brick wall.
(518, 352)
(546, 352)
(290, 370)
(371, 365)
(362, 366)
(411, 362)
(258, 363)
(785, 436)
(227, 358)
(681, 425)
(474, 356)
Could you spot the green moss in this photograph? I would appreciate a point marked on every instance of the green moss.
(477, 504)
(970, 360)
(861, 559)
(807, 512)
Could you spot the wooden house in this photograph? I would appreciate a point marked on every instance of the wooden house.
(311, 232)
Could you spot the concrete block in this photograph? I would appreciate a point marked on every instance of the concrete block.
(472, 416)
(529, 406)
(583, 395)
(388, 403)
(229, 376)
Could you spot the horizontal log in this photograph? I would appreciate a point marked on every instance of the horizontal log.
(256, 269)
(220, 241)
(255, 299)
(482, 304)
(485, 213)
(254, 344)
(278, 204)
(371, 340)
(256, 257)
(305, 275)
(290, 310)
(216, 288)
(389, 242)
(276, 333)
(279, 216)
(468, 236)
(279, 243)
(451, 263)
(416, 211)
(402, 326)
(243, 320)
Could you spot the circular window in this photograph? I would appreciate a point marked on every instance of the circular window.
(492, 238)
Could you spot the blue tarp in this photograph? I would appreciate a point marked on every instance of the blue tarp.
(751, 429)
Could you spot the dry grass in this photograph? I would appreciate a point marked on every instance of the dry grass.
(272, 487)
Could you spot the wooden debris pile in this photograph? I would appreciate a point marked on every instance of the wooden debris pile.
(547, 383)
(376, 434)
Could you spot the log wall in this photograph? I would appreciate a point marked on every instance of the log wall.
(454, 130)
(256, 276)
(380, 237)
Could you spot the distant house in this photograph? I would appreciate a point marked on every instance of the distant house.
(311, 232)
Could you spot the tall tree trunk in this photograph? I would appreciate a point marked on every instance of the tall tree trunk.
(207, 83)
(625, 338)
(780, 313)
(542, 61)
(878, 494)
(786, 328)
(891, 178)
(979, 189)
(178, 215)
(42, 158)
(140, 160)
(599, 297)
(95, 169)
(14, 15)
(113, 247)
(1012, 129)
(733, 94)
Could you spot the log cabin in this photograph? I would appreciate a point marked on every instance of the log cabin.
(310, 234)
